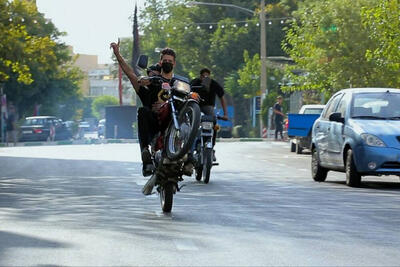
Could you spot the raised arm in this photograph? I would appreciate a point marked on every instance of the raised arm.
(125, 67)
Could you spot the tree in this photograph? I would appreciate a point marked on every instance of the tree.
(99, 104)
(332, 45)
(383, 24)
(34, 66)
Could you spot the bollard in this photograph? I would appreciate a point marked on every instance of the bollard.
(115, 131)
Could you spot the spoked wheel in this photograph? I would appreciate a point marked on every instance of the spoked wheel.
(207, 164)
(179, 141)
(167, 197)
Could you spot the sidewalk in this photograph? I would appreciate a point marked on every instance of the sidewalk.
(125, 141)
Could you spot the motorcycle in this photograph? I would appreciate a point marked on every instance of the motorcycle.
(203, 153)
(179, 118)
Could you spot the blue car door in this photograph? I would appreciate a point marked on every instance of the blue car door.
(322, 130)
(336, 134)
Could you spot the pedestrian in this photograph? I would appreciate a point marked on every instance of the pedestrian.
(278, 117)
(11, 126)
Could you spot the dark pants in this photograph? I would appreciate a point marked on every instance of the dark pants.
(148, 126)
(209, 110)
(278, 128)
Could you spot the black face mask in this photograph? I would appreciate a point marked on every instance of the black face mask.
(167, 67)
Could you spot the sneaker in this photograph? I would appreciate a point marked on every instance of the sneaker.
(148, 187)
(147, 169)
(188, 169)
(146, 156)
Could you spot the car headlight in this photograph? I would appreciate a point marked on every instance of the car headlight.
(372, 140)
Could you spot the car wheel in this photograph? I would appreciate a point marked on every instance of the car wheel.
(318, 173)
(292, 147)
(353, 178)
(299, 149)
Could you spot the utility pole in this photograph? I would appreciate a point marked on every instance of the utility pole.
(263, 55)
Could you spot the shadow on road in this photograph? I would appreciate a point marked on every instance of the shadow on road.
(106, 195)
(373, 185)
(9, 240)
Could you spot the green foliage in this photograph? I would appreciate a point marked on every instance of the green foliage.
(99, 104)
(34, 66)
(249, 75)
(337, 44)
(383, 24)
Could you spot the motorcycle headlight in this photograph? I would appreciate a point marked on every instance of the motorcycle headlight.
(207, 125)
(182, 87)
(372, 140)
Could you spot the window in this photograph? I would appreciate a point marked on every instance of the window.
(382, 105)
(313, 111)
(331, 106)
(343, 104)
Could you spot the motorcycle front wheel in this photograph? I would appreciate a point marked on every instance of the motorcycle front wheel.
(179, 141)
(167, 197)
(207, 164)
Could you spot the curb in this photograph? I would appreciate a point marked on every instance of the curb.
(123, 141)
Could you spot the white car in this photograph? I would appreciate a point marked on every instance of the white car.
(311, 109)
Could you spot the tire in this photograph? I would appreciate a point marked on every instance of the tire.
(207, 164)
(318, 173)
(189, 119)
(299, 149)
(353, 178)
(167, 197)
(292, 147)
(199, 173)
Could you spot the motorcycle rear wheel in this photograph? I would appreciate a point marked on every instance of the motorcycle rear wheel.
(179, 142)
(167, 197)
(207, 164)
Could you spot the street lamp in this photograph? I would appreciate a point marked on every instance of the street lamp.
(263, 46)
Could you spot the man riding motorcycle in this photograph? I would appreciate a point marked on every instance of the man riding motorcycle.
(150, 95)
(208, 89)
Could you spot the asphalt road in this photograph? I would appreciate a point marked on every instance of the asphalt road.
(82, 206)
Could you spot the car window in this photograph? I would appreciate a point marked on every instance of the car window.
(385, 105)
(331, 106)
(344, 102)
(313, 111)
(34, 122)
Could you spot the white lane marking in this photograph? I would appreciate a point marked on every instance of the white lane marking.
(131, 169)
(185, 245)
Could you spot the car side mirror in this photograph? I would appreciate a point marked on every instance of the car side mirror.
(143, 61)
(337, 116)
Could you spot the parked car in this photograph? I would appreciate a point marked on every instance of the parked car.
(43, 128)
(358, 133)
(83, 127)
(299, 127)
(101, 128)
